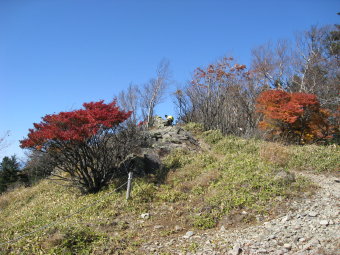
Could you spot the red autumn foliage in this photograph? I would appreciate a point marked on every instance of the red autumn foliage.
(219, 72)
(75, 126)
(89, 144)
(294, 116)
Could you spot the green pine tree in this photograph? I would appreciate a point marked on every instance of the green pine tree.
(9, 168)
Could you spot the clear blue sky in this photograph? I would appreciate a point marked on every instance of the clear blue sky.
(55, 55)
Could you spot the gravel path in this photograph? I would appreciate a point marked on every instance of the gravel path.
(311, 226)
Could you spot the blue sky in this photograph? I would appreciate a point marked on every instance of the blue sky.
(55, 55)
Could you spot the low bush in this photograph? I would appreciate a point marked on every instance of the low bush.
(193, 127)
(212, 136)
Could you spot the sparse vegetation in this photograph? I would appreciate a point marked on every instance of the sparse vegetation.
(233, 156)
(200, 190)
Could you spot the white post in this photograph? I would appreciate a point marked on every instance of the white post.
(129, 186)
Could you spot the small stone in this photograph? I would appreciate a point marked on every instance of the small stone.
(311, 244)
(145, 215)
(287, 246)
(285, 219)
(262, 251)
(312, 214)
(244, 213)
(158, 227)
(301, 240)
(271, 237)
(324, 222)
(259, 218)
(188, 234)
(236, 250)
(178, 228)
(222, 229)
(296, 239)
(296, 227)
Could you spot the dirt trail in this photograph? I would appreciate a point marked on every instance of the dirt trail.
(310, 226)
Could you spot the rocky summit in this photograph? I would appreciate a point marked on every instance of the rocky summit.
(161, 140)
(167, 138)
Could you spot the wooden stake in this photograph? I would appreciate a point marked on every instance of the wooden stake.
(129, 186)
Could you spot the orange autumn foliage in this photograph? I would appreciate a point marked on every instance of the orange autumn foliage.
(295, 117)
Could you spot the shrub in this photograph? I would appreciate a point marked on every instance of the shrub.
(294, 117)
(88, 144)
(195, 128)
(39, 165)
(204, 221)
(212, 136)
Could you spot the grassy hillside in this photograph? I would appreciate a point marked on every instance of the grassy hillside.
(200, 190)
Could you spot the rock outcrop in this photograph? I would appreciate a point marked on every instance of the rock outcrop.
(161, 140)
(167, 138)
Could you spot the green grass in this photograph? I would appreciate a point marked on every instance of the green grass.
(200, 189)
(315, 158)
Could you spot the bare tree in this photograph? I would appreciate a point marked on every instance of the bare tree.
(153, 92)
(271, 64)
(39, 165)
(220, 96)
(309, 65)
(128, 100)
(183, 105)
(316, 68)
(3, 143)
(310, 58)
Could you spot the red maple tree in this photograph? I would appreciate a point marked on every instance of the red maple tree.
(75, 126)
(296, 117)
(82, 141)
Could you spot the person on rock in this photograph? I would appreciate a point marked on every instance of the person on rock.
(169, 119)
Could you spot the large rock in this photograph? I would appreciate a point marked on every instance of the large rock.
(172, 137)
(159, 122)
(159, 141)
(141, 165)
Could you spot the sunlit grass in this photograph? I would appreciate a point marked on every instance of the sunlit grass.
(201, 188)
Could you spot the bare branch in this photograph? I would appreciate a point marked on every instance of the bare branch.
(154, 91)
(3, 143)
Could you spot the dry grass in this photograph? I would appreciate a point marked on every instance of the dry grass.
(275, 153)
(201, 190)
(204, 180)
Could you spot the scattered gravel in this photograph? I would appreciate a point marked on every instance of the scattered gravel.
(311, 226)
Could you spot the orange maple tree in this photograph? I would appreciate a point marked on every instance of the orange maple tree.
(295, 117)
